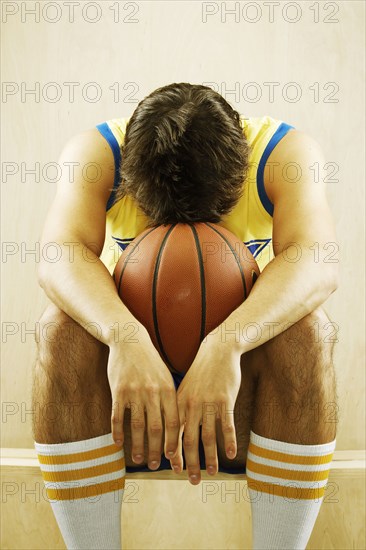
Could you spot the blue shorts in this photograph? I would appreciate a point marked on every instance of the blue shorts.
(165, 463)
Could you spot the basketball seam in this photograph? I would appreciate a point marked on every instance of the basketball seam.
(235, 256)
(154, 311)
(203, 282)
(129, 254)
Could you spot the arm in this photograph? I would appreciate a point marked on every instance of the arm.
(288, 290)
(79, 283)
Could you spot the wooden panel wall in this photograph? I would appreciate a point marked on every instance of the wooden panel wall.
(313, 57)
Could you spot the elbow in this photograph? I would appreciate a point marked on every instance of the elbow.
(334, 278)
(42, 275)
(331, 282)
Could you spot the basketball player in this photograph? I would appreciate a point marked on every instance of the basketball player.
(185, 155)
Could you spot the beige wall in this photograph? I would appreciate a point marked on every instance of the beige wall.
(170, 42)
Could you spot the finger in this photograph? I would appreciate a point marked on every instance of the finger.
(117, 422)
(137, 430)
(191, 442)
(209, 442)
(171, 421)
(228, 430)
(176, 461)
(154, 428)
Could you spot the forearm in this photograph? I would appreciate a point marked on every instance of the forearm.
(84, 289)
(284, 293)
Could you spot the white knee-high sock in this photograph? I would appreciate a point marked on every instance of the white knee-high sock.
(85, 484)
(286, 484)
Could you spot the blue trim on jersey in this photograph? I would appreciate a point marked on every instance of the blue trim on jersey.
(256, 246)
(123, 243)
(254, 241)
(107, 133)
(277, 136)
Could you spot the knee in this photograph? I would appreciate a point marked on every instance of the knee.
(63, 344)
(53, 315)
(300, 359)
(315, 332)
(55, 327)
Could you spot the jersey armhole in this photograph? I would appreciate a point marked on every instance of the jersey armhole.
(107, 133)
(277, 136)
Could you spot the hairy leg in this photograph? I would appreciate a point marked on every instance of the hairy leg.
(288, 389)
(296, 397)
(70, 384)
(70, 387)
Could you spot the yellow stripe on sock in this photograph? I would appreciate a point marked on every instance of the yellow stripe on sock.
(73, 493)
(300, 475)
(293, 459)
(83, 473)
(79, 457)
(298, 493)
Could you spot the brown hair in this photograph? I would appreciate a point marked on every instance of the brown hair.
(184, 156)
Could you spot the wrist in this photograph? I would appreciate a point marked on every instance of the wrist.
(226, 338)
(124, 330)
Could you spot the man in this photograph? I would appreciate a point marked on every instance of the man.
(185, 155)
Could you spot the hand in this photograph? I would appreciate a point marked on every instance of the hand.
(140, 380)
(208, 392)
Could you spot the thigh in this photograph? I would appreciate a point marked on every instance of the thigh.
(70, 375)
(63, 343)
(77, 363)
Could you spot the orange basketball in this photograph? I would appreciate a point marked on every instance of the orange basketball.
(181, 281)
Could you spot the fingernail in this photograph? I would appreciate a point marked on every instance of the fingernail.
(210, 469)
(138, 457)
(231, 453)
(170, 453)
(176, 468)
(154, 464)
(194, 477)
(118, 442)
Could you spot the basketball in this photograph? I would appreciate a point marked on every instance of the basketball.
(181, 281)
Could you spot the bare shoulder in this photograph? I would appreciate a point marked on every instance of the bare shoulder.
(294, 146)
(92, 158)
(91, 138)
(293, 157)
(78, 211)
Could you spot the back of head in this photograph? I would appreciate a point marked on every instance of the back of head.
(185, 156)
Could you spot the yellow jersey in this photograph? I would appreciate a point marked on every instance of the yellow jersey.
(250, 220)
